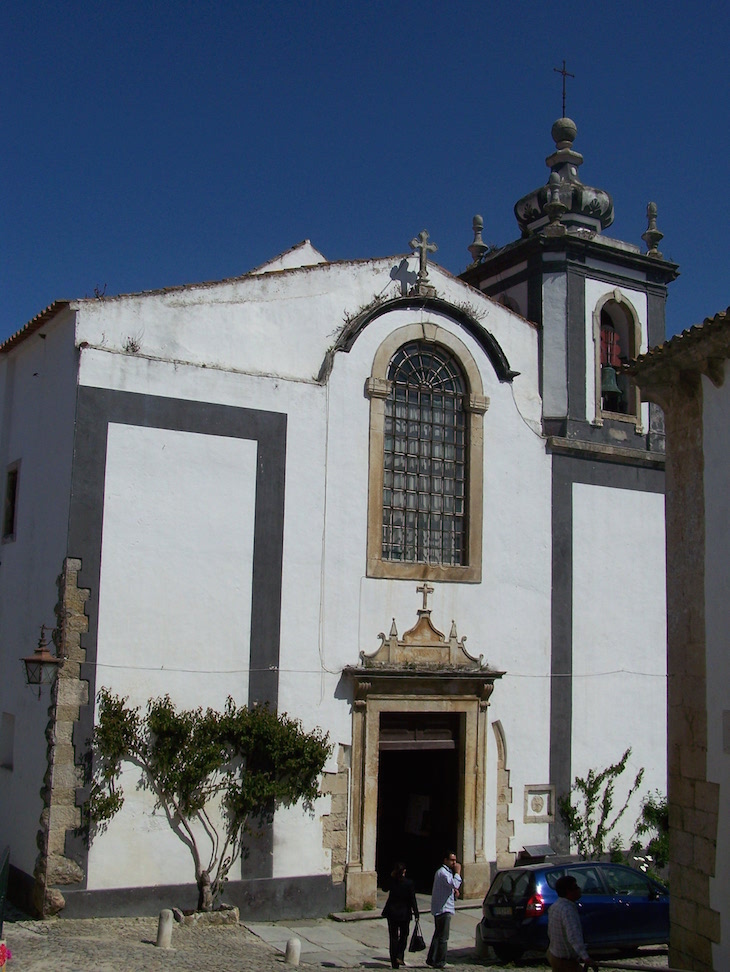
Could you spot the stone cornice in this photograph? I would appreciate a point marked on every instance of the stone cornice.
(605, 452)
(577, 248)
(402, 680)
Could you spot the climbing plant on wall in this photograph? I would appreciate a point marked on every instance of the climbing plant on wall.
(214, 774)
(592, 818)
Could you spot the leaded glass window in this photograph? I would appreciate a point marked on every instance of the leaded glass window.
(425, 458)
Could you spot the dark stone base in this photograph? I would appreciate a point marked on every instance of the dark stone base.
(20, 891)
(264, 899)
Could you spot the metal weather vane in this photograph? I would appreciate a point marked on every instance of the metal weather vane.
(566, 74)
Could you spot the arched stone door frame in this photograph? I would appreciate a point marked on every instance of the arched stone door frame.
(395, 688)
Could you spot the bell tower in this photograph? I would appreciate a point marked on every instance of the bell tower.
(597, 301)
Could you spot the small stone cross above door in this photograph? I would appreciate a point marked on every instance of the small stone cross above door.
(425, 589)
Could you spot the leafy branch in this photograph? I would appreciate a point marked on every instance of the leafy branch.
(592, 819)
(653, 822)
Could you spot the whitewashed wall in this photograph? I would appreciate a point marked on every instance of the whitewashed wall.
(174, 606)
(506, 617)
(619, 637)
(37, 396)
(177, 540)
(716, 445)
(275, 331)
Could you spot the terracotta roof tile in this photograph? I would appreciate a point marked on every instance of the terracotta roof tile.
(34, 325)
(690, 342)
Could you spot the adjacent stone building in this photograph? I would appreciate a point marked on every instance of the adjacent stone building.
(423, 512)
(687, 377)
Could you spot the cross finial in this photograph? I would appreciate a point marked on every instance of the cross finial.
(425, 589)
(421, 244)
(566, 74)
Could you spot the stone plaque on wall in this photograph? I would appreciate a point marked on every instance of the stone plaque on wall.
(539, 803)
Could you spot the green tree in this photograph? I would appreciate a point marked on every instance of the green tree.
(246, 762)
(591, 820)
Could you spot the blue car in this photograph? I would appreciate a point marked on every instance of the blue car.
(620, 908)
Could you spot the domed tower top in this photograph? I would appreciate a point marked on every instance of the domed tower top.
(564, 204)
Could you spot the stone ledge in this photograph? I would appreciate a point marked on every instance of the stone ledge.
(225, 915)
(604, 452)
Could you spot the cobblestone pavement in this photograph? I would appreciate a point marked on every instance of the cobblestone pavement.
(111, 944)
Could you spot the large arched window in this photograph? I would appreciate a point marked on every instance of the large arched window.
(426, 458)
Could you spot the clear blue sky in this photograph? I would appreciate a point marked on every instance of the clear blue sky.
(149, 144)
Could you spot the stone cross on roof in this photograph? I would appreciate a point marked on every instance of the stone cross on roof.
(421, 244)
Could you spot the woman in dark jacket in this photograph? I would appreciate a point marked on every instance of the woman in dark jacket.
(399, 907)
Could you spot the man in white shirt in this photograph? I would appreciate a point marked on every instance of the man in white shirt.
(567, 949)
(446, 884)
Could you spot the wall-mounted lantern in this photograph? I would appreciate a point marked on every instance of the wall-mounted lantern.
(41, 668)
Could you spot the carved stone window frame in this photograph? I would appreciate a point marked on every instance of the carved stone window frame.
(377, 389)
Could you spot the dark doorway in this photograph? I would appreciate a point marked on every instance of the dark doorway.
(418, 793)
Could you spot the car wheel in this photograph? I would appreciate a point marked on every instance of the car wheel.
(508, 953)
(480, 945)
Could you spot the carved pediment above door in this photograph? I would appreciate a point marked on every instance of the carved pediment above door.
(421, 681)
(423, 660)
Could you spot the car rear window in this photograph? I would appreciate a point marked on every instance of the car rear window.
(511, 885)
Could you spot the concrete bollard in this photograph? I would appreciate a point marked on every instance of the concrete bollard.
(164, 929)
(293, 951)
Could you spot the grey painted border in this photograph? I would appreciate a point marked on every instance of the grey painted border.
(566, 264)
(96, 409)
(266, 899)
(566, 471)
(570, 248)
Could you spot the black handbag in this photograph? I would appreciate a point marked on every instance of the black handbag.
(417, 942)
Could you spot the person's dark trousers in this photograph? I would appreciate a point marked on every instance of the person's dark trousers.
(439, 942)
(398, 932)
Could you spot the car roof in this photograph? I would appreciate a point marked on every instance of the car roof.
(554, 865)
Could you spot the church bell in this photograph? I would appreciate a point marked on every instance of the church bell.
(609, 385)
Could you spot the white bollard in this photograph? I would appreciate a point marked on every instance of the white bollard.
(164, 929)
(293, 951)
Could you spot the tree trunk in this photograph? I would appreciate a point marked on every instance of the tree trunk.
(205, 896)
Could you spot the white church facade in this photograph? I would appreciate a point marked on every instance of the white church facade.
(423, 512)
